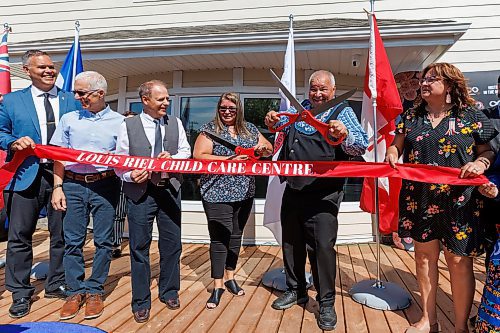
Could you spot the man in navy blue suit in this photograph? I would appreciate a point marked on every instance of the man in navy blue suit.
(29, 117)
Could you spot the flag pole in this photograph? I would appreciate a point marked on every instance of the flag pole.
(276, 278)
(75, 54)
(373, 87)
(375, 293)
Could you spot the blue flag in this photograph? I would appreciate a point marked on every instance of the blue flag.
(72, 66)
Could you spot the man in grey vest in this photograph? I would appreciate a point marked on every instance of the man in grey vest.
(152, 195)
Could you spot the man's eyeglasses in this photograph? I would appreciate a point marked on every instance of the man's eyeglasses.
(82, 93)
(429, 79)
(231, 109)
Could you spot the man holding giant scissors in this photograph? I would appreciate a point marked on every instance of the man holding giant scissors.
(323, 131)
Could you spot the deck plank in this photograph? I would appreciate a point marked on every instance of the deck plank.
(252, 312)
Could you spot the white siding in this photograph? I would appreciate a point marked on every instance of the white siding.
(479, 48)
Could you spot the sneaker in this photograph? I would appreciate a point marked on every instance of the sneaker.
(289, 298)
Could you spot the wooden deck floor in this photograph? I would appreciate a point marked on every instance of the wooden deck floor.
(251, 313)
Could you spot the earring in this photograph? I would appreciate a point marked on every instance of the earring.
(448, 98)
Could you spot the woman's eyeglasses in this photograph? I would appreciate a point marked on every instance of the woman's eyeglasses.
(429, 79)
(230, 109)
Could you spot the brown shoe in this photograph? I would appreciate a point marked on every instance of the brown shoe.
(173, 303)
(141, 316)
(72, 306)
(94, 306)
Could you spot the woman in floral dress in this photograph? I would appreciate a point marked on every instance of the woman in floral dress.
(443, 130)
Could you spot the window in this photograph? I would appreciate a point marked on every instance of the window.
(194, 112)
(256, 109)
(135, 105)
(198, 110)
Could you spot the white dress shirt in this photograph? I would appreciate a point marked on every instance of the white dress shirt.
(38, 99)
(122, 143)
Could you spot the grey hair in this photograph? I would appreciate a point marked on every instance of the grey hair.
(146, 88)
(30, 54)
(322, 72)
(94, 79)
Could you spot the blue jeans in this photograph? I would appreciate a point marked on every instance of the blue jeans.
(99, 198)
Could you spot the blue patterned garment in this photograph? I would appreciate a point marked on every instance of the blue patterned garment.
(488, 316)
(356, 142)
(227, 188)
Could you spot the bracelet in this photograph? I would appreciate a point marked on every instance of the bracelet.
(485, 161)
(57, 186)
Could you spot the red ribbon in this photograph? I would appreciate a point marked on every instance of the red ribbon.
(415, 172)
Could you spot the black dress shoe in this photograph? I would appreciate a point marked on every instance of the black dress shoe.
(289, 298)
(327, 318)
(60, 292)
(116, 253)
(141, 316)
(20, 307)
(173, 303)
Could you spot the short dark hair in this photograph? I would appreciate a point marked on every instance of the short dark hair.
(32, 53)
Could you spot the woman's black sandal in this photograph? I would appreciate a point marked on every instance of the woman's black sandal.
(215, 298)
(234, 288)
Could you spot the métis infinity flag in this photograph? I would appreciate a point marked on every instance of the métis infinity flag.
(72, 65)
(380, 85)
(4, 62)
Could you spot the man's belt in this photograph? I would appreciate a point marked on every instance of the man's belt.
(89, 177)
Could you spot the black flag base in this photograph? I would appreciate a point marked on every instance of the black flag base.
(380, 295)
(276, 279)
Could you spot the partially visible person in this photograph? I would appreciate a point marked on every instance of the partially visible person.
(28, 117)
(227, 199)
(488, 317)
(443, 130)
(83, 189)
(1, 98)
(310, 205)
(490, 210)
(120, 214)
(153, 195)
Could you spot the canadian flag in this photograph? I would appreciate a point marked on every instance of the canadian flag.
(381, 86)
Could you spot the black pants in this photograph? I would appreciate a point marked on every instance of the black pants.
(119, 221)
(226, 221)
(23, 209)
(164, 204)
(489, 218)
(309, 224)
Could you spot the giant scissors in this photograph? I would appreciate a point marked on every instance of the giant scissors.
(250, 152)
(305, 115)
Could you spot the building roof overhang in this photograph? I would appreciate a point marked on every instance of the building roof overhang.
(324, 43)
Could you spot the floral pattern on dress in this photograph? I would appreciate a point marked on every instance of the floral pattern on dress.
(228, 188)
(488, 318)
(438, 211)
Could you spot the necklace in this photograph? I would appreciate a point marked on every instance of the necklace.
(433, 118)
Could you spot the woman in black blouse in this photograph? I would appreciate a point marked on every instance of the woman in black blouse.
(227, 199)
(443, 130)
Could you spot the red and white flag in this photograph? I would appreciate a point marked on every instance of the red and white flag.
(381, 86)
(4, 63)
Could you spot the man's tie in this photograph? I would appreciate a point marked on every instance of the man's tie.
(49, 112)
(156, 176)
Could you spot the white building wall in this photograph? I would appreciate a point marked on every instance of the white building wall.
(477, 50)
